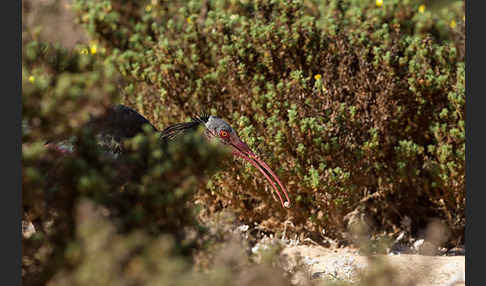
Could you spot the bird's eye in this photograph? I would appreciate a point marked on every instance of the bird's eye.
(223, 133)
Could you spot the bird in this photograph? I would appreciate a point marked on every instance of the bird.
(121, 122)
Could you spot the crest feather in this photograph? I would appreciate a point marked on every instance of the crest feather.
(180, 128)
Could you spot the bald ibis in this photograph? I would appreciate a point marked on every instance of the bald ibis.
(121, 122)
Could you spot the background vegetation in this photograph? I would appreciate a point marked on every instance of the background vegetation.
(359, 107)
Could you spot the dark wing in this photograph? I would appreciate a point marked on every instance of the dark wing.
(110, 129)
(120, 122)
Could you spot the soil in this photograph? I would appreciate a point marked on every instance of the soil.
(411, 269)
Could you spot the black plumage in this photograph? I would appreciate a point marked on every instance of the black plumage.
(120, 123)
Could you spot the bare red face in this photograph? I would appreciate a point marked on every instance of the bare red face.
(221, 130)
(223, 134)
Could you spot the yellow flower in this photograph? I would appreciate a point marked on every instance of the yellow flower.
(317, 77)
(379, 3)
(93, 49)
(452, 24)
(189, 20)
(421, 8)
(31, 79)
(85, 18)
(84, 51)
(148, 8)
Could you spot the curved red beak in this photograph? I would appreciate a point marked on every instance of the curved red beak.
(242, 150)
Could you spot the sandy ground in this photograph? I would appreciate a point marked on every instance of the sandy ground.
(345, 264)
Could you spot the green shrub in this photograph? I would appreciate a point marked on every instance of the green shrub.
(344, 98)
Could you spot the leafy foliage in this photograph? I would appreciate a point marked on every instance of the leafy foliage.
(349, 100)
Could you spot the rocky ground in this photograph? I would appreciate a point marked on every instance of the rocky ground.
(404, 265)
(345, 264)
(407, 261)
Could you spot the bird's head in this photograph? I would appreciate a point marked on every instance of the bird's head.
(218, 129)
